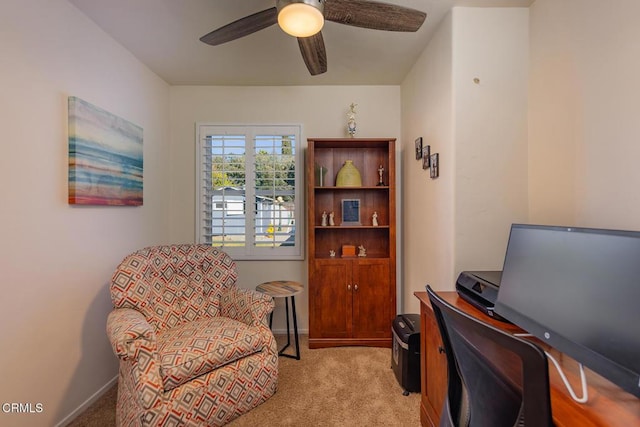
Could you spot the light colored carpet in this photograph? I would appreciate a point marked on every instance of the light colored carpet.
(343, 386)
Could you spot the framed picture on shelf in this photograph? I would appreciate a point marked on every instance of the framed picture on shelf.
(350, 212)
(419, 148)
(426, 157)
(435, 165)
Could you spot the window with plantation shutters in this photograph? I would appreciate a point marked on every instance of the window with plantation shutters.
(249, 190)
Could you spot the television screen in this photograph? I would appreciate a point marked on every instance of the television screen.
(578, 289)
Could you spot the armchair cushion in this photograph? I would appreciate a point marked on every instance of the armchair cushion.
(173, 284)
(195, 348)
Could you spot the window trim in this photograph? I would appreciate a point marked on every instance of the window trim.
(249, 251)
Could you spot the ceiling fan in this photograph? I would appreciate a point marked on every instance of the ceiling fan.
(304, 19)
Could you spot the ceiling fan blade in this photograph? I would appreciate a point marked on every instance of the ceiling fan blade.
(314, 53)
(242, 27)
(373, 15)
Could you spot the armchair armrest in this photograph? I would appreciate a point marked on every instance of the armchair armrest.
(133, 340)
(126, 328)
(246, 305)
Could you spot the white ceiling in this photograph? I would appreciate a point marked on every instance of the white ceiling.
(164, 35)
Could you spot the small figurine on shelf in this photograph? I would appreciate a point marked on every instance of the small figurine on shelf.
(331, 221)
(332, 253)
(351, 124)
(380, 172)
(374, 219)
(324, 218)
(362, 252)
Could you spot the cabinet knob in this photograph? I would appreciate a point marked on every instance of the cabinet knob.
(355, 286)
(441, 349)
(349, 287)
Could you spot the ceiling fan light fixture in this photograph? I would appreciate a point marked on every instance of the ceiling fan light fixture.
(302, 18)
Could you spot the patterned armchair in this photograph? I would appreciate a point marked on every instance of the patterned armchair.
(194, 349)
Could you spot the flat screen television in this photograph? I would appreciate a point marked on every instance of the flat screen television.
(577, 289)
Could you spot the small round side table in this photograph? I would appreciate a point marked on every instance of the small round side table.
(284, 289)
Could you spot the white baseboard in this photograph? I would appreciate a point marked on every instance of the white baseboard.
(284, 331)
(85, 405)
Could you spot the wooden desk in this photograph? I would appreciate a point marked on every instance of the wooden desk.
(608, 404)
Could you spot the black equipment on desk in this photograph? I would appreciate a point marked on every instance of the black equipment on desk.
(480, 289)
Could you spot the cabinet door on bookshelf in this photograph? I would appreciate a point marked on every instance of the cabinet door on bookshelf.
(372, 299)
(331, 311)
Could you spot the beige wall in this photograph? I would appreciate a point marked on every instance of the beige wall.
(322, 111)
(584, 130)
(427, 210)
(490, 128)
(460, 221)
(56, 260)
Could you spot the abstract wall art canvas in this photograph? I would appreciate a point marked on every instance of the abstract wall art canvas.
(105, 157)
